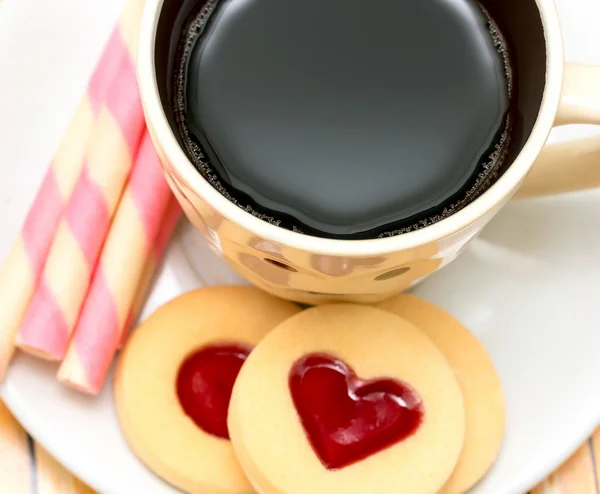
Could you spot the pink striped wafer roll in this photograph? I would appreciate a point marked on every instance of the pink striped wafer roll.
(155, 258)
(153, 263)
(22, 268)
(52, 315)
(118, 275)
(126, 267)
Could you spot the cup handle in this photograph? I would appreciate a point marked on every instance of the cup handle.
(571, 165)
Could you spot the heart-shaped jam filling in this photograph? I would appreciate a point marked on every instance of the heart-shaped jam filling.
(347, 419)
(205, 382)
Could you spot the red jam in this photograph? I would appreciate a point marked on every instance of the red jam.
(347, 419)
(205, 382)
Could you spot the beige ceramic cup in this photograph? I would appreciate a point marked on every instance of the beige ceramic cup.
(315, 270)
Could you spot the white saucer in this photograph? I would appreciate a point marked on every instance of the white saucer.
(528, 287)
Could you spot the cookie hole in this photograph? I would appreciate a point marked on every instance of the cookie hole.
(392, 274)
(279, 264)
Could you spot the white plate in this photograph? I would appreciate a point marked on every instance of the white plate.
(528, 287)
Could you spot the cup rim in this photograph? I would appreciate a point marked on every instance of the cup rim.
(504, 187)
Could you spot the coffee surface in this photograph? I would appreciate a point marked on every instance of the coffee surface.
(345, 118)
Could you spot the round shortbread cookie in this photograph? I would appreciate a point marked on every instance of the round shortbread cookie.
(479, 382)
(153, 390)
(316, 403)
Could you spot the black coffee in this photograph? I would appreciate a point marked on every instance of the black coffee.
(345, 118)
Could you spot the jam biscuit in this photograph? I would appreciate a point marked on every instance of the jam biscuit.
(477, 378)
(174, 382)
(346, 398)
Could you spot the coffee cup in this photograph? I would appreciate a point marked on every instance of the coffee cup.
(314, 270)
